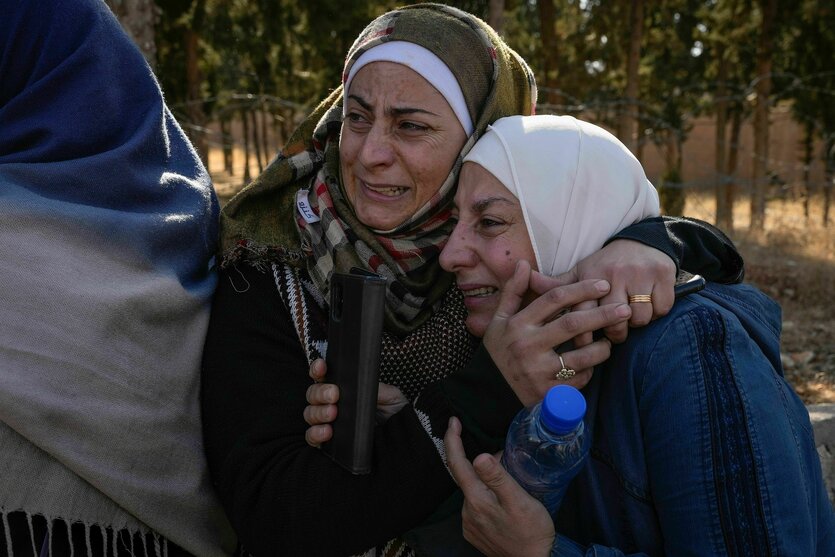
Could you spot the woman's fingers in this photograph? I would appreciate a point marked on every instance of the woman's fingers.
(514, 290)
(316, 435)
(552, 303)
(663, 297)
(582, 361)
(578, 381)
(317, 370)
(631, 268)
(498, 516)
(522, 346)
(320, 414)
(648, 300)
(575, 323)
(388, 395)
(459, 466)
(541, 283)
(389, 401)
(584, 338)
(322, 393)
(529, 363)
(588, 356)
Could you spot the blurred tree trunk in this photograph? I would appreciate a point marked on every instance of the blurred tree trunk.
(628, 121)
(829, 177)
(257, 140)
(730, 20)
(138, 18)
(265, 134)
(808, 155)
(733, 157)
(640, 141)
(278, 129)
(765, 52)
(495, 15)
(724, 194)
(228, 142)
(194, 83)
(245, 120)
(550, 51)
(286, 120)
(671, 192)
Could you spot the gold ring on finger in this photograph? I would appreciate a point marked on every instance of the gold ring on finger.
(639, 298)
(564, 373)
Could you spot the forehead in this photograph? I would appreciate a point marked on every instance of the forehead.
(476, 184)
(389, 80)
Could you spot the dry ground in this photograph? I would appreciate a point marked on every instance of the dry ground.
(793, 261)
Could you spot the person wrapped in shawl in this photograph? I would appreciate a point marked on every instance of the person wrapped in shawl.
(107, 232)
(367, 181)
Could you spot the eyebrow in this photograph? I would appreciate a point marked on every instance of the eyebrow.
(482, 204)
(396, 111)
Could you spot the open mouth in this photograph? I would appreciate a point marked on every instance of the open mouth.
(386, 191)
(479, 292)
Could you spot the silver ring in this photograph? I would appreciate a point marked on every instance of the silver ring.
(565, 372)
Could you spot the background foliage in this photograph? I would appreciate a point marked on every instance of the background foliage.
(645, 69)
(728, 77)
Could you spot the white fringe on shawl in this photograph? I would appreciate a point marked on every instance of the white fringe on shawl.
(99, 385)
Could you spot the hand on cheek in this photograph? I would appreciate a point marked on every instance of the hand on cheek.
(521, 342)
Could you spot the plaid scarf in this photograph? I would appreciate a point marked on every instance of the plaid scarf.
(339, 241)
(256, 224)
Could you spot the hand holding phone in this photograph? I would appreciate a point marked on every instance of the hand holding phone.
(355, 330)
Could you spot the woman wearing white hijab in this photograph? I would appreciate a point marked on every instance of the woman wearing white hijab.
(571, 221)
(700, 447)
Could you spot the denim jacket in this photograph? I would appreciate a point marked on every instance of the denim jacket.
(700, 447)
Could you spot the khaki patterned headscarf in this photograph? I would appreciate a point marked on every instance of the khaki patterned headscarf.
(261, 224)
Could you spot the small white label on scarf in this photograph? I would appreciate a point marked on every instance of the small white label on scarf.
(305, 209)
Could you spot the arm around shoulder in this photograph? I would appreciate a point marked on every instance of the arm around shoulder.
(694, 245)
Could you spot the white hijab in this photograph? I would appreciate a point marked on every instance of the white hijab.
(577, 184)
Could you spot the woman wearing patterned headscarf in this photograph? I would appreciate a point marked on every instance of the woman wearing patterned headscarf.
(366, 181)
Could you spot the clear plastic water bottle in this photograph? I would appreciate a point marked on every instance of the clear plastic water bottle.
(547, 445)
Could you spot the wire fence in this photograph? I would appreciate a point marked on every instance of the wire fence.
(245, 131)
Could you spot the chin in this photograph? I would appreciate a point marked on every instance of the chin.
(477, 325)
(381, 220)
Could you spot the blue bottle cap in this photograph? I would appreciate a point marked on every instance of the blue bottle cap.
(563, 408)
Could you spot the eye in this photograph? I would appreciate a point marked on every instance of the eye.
(487, 222)
(491, 227)
(355, 119)
(413, 127)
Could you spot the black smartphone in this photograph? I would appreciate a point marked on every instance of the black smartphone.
(355, 329)
(689, 285)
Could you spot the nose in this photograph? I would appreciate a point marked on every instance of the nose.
(458, 253)
(377, 148)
